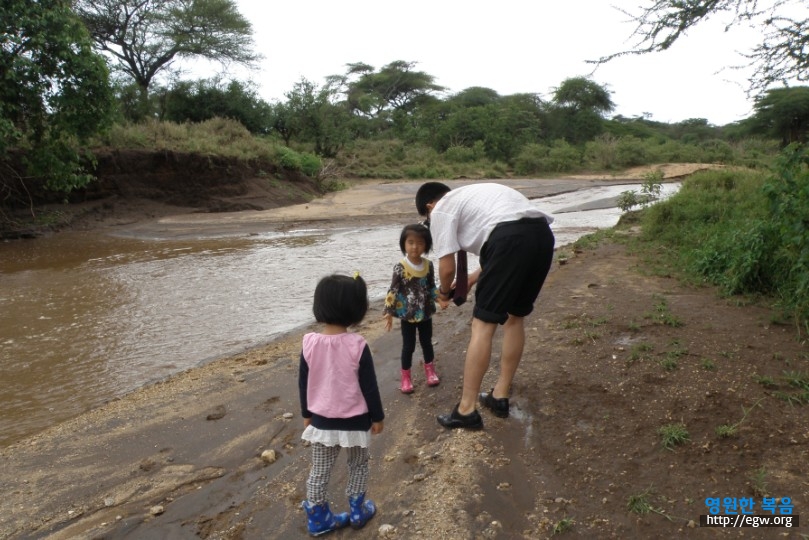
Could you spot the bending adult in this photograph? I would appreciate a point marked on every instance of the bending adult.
(514, 243)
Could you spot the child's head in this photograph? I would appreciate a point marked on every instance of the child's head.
(340, 300)
(417, 231)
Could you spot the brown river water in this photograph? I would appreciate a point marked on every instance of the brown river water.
(87, 318)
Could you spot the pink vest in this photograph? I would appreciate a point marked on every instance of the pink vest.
(333, 387)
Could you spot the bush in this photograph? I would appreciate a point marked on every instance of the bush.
(601, 152)
(459, 154)
(310, 164)
(530, 158)
(288, 158)
(537, 158)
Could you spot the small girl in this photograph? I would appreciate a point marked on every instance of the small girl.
(411, 298)
(340, 402)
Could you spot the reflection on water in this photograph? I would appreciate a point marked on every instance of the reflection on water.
(84, 320)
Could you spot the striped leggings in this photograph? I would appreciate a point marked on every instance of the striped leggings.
(323, 459)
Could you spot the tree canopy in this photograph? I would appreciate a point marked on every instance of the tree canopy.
(783, 113)
(395, 87)
(54, 90)
(780, 56)
(144, 37)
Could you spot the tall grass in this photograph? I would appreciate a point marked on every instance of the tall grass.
(217, 136)
(746, 231)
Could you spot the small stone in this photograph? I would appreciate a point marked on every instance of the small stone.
(692, 524)
(269, 456)
(109, 501)
(419, 477)
(288, 416)
(218, 412)
(386, 530)
(157, 510)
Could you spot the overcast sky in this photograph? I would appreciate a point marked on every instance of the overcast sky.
(511, 46)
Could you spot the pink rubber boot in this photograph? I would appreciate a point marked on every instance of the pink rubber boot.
(407, 384)
(429, 371)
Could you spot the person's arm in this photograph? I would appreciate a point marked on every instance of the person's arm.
(395, 285)
(369, 387)
(446, 275)
(303, 382)
(432, 293)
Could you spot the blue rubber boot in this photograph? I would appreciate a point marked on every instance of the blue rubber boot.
(321, 520)
(361, 510)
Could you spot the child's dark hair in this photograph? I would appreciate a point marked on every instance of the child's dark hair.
(427, 193)
(341, 300)
(419, 230)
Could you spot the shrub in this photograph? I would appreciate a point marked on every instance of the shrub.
(288, 158)
(310, 164)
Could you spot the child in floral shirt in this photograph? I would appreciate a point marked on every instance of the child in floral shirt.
(411, 298)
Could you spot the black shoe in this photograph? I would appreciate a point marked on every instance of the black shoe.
(457, 420)
(499, 406)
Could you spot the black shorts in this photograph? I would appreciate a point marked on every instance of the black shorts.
(515, 259)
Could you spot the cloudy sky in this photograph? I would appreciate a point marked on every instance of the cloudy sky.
(511, 46)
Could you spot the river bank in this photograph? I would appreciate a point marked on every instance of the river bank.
(604, 370)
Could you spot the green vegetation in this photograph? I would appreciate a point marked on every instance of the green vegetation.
(758, 482)
(563, 525)
(672, 435)
(730, 430)
(641, 504)
(741, 230)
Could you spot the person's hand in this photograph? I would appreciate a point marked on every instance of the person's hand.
(388, 321)
(443, 302)
(473, 277)
(377, 427)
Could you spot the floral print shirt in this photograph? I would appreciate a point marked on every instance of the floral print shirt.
(412, 292)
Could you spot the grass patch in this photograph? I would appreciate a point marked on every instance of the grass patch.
(726, 431)
(641, 504)
(673, 435)
(758, 482)
(563, 525)
(708, 364)
(662, 314)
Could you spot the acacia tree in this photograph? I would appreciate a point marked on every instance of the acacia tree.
(145, 37)
(393, 91)
(579, 106)
(782, 54)
(54, 92)
(783, 113)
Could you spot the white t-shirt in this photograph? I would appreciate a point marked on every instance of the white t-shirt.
(464, 217)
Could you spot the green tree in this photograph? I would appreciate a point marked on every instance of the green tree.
(578, 109)
(145, 37)
(54, 90)
(201, 100)
(582, 94)
(782, 113)
(392, 92)
(782, 54)
(314, 118)
(282, 121)
(502, 124)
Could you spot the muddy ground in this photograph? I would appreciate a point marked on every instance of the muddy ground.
(614, 354)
